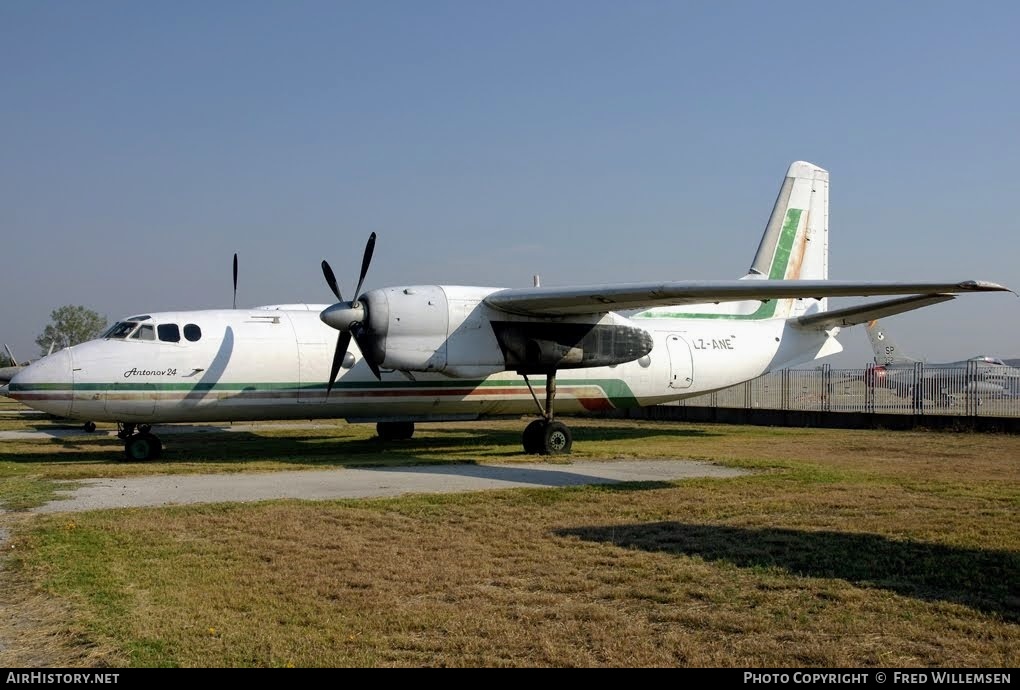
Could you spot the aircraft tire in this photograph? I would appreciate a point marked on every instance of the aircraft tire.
(556, 439)
(395, 431)
(532, 438)
(141, 447)
(89, 427)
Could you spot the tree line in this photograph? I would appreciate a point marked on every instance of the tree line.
(69, 325)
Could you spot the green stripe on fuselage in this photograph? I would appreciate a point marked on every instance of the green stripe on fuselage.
(780, 262)
(615, 390)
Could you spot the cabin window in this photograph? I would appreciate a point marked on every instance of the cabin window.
(145, 332)
(192, 332)
(169, 332)
(121, 329)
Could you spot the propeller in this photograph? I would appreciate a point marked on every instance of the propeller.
(348, 317)
(235, 280)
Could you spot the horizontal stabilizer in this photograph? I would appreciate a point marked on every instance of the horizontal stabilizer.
(597, 299)
(862, 313)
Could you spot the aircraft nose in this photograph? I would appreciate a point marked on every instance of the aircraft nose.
(45, 384)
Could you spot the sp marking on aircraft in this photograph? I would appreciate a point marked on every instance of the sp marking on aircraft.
(403, 354)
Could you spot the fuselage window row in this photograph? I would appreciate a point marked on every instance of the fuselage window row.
(165, 332)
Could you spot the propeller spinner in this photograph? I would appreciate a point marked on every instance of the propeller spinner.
(348, 317)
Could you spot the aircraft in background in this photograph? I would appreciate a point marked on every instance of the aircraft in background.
(908, 376)
(8, 372)
(400, 355)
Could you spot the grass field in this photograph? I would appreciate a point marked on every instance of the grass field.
(843, 548)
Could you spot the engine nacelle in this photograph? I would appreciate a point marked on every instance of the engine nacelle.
(449, 329)
(409, 327)
(535, 347)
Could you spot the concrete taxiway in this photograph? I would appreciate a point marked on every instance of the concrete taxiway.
(163, 490)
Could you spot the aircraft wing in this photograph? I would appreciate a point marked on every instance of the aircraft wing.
(595, 299)
(862, 313)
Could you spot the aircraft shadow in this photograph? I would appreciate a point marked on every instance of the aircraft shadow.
(985, 580)
(439, 445)
(525, 475)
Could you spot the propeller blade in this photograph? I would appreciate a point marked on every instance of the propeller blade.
(359, 338)
(343, 341)
(331, 280)
(11, 355)
(365, 261)
(235, 280)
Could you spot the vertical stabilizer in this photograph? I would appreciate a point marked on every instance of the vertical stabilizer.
(795, 244)
(886, 351)
(10, 355)
(796, 240)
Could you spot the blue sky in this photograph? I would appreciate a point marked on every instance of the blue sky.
(144, 143)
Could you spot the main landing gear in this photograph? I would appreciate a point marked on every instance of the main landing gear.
(141, 444)
(546, 436)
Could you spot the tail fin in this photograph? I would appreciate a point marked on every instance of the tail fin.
(886, 351)
(795, 244)
(10, 354)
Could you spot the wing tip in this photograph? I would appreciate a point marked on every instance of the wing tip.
(984, 286)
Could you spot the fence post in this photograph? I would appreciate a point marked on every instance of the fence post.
(917, 397)
(826, 387)
(973, 398)
(870, 387)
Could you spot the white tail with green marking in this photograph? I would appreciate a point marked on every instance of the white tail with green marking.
(794, 246)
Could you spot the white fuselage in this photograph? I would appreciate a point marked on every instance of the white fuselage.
(274, 364)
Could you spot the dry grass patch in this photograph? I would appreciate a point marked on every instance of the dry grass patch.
(780, 569)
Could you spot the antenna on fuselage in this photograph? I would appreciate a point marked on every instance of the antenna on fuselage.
(235, 280)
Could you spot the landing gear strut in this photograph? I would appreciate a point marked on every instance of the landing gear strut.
(546, 436)
(140, 445)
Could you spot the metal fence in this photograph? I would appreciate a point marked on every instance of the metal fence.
(915, 390)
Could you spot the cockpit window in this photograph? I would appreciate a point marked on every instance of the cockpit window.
(192, 332)
(145, 332)
(169, 332)
(121, 329)
(143, 317)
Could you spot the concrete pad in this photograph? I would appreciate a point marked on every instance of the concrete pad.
(162, 490)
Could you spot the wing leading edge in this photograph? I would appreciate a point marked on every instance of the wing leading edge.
(596, 299)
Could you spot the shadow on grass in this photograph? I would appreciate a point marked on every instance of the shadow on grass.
(434, 444)
(986, 580)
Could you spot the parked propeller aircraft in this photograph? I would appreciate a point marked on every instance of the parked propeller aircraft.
(440, 352)
(908, 376)
(8, 372)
